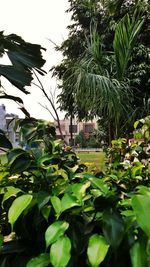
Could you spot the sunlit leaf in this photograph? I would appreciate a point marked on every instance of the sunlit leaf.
(60, 252)
(56, 204)
(138, 255)
(9, 191)
(40, 261)
(79, 190)
(55, 231)
(98, 183)
(97, 250)
(17, 207)
(68, 202)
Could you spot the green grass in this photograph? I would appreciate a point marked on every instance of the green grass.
(3, 158)
(96, 159)
(91, 159)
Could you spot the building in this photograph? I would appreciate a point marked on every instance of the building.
(7, 124)
(86, 126)
(2, 117)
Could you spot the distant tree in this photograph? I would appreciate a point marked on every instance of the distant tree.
(82, 57)
(80, 140)
(92, 142)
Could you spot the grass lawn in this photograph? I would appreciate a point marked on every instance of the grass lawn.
(91, 159)
(96, 159)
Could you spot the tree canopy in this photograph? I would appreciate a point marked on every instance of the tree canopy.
(105, 69)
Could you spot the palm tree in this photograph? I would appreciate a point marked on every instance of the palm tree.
(98, 78)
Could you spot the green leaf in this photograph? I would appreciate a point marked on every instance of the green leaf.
(11, 97)
(42, 198)
(44, 161)
(46, 211)
(147, 134)
(55, 231)
(60, 252)
(14, 153)
(126, 35)
(24, 57)
(18, 77)
(9, 192)
(1, 240)
(56, 204)
(113, 228)
(136, 124)
(4, 142)
(97, 250)
(143, 190)
(79, 190)
(141, 207)
(98, 183)
(68, 202)
(17, 207)
(137, 254)
(40, 261)
(136, 170)
(20, 164)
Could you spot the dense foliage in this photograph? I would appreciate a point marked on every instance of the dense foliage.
(105, 48)
(54, 213)
(53, 210)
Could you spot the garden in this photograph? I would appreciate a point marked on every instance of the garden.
(57, 210)
(54, 212)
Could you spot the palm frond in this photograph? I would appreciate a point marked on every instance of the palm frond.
(99, 93)
(125, 38)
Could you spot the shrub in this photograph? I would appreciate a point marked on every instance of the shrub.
(54, 213)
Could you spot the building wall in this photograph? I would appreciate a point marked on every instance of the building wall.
(2, 117)
(7, 124)
(77, 126)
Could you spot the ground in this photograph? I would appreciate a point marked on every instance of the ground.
(96, 159)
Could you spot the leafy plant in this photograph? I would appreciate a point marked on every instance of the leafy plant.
(54, 213)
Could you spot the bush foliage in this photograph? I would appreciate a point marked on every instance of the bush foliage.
(55, 213)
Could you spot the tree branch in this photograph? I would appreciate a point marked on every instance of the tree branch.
(51, 103)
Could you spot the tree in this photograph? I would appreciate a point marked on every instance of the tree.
(86, 52)
(80, 140)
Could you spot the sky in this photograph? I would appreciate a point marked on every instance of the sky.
(36, 21)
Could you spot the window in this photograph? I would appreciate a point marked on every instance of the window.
(88, 128)
(17, 137)
(74, 128)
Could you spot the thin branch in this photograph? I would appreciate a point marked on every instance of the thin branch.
(3, 149)
(48, 111)
(57, 46)
(51, 102)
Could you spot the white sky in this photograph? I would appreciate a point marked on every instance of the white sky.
(36, 21)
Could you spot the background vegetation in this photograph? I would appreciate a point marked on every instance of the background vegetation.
(105, 69)
(54, 210)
